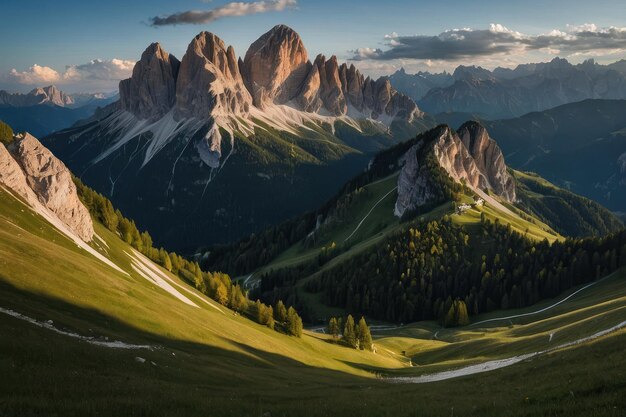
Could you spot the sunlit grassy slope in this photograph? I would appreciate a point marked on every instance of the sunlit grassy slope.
(206, 361)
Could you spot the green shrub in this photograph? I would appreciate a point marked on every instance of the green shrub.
(6, 133)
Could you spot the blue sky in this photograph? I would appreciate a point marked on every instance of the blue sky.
(69, 34)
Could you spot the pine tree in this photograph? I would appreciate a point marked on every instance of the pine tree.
(457, 315)
(462, 318)
(166, 261)
(349, 335)
(333, 328)
(364, 335)
(221, 294)
(259, 311)
(294, 323)
(280, 312)
(270, 317)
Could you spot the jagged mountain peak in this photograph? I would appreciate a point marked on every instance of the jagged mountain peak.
(154, 49)
(52, 95)
(469, 156)
(275, 66)
(209, 82)
(488, 157)
(151, 91)
(472, 72)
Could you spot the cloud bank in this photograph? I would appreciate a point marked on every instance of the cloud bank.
(98, 69)
(34, 75)
(465, 43)
(197, 17)
(95, 74)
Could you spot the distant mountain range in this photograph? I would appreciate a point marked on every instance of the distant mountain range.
(505, 93)
(45, 110)
(579, 146)
(211, 148)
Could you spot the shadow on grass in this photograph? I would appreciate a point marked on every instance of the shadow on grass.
(45, 373)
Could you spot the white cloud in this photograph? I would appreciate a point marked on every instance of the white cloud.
(36, 74)
(95, 75)
(102, 70)
(238, 8)
(498, 40)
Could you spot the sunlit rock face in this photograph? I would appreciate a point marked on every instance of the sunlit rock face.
(151, 91)
(35, 174)
(209, 83)
(470, 156)
(275, 66)
(489, 158)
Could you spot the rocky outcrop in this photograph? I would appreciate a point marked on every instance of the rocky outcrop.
(457, 161)
(414, 187)
(471, 158)
(275, 66)
(341, 90)
(488, 158)
(151, 91)
(31, 171)
(209, 82)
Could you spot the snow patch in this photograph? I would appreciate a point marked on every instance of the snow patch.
(124, 127)
(142, 268)
(150, 269)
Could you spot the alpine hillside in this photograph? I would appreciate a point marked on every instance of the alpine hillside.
(387, 244)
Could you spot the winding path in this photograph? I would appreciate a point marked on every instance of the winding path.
(539, 311)
(499, 363)
(370, 212)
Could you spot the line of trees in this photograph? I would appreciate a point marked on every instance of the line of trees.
(272, 317)
(356, 336)
(216, 285)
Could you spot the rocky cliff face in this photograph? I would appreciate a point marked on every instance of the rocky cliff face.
(31, 171)
(275, 66)
(341, 90)
(151, 92)
(470, 157)
(488, 158)
(209, 82)
(414, 187)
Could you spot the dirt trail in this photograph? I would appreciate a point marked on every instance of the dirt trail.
(500, 363)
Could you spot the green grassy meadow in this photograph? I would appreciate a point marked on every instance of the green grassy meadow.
(209, 361)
